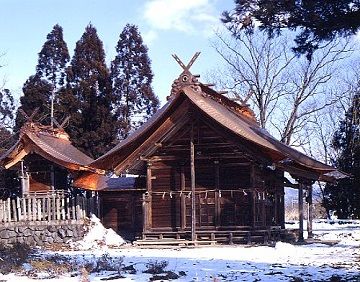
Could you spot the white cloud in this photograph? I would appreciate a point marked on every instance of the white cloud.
(186, 15)
(149, 36)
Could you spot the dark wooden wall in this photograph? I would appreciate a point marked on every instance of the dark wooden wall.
(39, 170)
(122, 211)
(233, 188)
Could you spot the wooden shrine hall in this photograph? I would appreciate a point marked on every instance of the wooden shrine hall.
(205, 171)
(45, 159)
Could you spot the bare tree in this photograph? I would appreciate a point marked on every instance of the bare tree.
(256, 70)
(284, 90)
(7, 108)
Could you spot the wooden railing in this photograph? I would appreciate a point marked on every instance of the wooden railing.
(55, 206)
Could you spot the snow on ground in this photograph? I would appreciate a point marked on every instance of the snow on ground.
(282, 262)
(98, 237)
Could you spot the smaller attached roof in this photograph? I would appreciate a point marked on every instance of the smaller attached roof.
(96, 182)
(52, 144)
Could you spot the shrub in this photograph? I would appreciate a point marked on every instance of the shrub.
(156, 267)
(13, 256)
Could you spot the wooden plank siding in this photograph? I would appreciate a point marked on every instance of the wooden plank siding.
(225, 185)
(122, 212)
(234, 191)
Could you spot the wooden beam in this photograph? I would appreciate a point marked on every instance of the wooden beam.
(287, 183)
(17, 158)
(168, 126)
(192, 172)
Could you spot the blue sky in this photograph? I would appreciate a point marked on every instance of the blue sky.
(167, 26)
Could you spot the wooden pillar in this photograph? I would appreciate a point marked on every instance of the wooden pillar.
(310, 212)
(253, 196)
(217, 200)
(147, 200)
(183, 198)
(192, 172)
(276, 208)
(52, 177)
(282, 209)
(301, 211)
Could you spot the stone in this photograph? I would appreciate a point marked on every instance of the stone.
(27, 232)
(11, 233)
(62, 233)
(58, 240)
(40, 228)
(52, 228)
(29, 241)
(75, 233)
(21, 229)
(4, 234)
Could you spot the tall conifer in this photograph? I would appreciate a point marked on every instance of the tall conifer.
(131, 80)
(48, 79)
(344, 197)
(88, 98)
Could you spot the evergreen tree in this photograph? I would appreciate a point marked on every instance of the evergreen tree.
(53, 58)
(131, 81)
(344, 197)
(88, 97)
(48, 79)
(36, 94)
(318, 20)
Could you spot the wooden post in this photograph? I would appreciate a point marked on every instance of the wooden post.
(310, 212)
(73, 208)
(14, 211)
(192, 172)
(144, 208)
(282, 209)
(8, 209)
(301, 212)
(52, 178)
(147, 200)
(78, 209)
(18, 205)
(276, 207)
(29, 209)
(34, 208)
(63, 207)
(182, 198)
(1, 210)
(253, 196)
(217, 200)
(39, 213)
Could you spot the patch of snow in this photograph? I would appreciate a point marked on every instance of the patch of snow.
(98, 237)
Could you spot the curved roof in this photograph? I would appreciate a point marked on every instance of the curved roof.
(52, 144)
(236, 118)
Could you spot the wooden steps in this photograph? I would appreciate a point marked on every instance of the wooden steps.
(173, 242)
(210, 237)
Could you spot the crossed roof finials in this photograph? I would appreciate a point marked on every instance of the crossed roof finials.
(186, 78)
